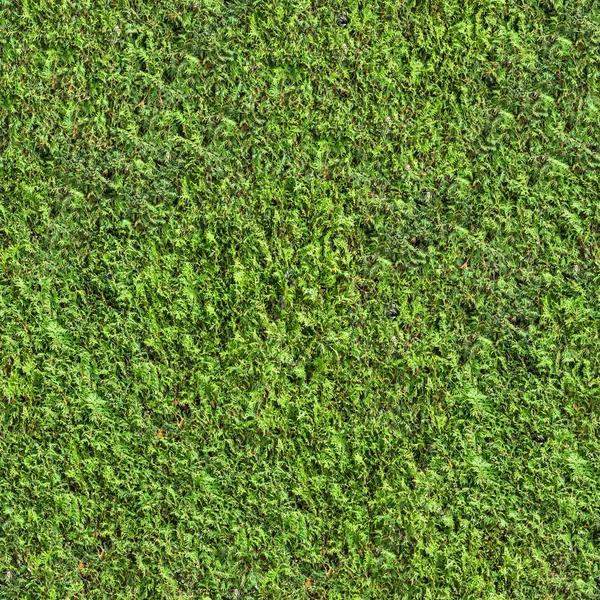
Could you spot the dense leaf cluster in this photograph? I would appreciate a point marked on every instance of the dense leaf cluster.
(299, 299)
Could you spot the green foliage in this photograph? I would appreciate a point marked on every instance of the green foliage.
(299, 299)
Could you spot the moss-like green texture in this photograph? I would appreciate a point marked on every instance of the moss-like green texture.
(299, 299)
